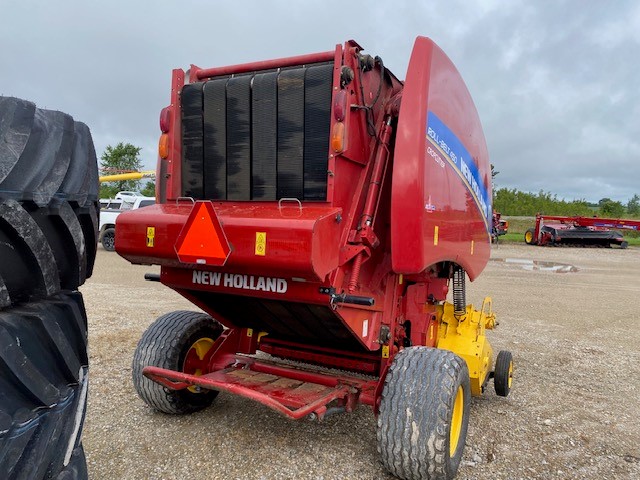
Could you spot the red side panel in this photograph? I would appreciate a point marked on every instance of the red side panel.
(441, 184)
(265, 239)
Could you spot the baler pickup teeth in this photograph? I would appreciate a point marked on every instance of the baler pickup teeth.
(293, 397)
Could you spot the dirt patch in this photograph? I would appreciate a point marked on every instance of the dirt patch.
(573, 411)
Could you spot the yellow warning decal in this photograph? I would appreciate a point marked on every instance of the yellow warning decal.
(385, 351)
(261, 243)
(151, 235)
(435, 235)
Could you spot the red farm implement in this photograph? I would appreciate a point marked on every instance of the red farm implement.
(321, 210)
(500, 227)
(556, 230)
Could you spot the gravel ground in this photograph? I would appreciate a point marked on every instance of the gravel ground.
(573, 411)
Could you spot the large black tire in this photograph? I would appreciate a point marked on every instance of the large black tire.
(529, 237)
(424, 414)
(48, 236)
(48, 202)
(43, 388)
(45, 154)
(165, 344)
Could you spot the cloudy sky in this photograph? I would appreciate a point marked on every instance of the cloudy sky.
(556, 83)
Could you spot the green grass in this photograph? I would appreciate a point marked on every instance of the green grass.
(520, 225)
(512, 237)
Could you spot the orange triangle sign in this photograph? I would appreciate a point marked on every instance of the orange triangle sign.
(202, 240)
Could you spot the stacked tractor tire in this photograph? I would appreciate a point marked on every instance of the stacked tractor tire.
(48, 229)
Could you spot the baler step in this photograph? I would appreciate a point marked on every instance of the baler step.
(294, 398)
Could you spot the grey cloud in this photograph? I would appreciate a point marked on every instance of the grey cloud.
(555, 82)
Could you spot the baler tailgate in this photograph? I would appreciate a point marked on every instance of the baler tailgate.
(287, 390)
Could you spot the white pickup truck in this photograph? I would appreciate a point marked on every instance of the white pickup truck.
(111, 208)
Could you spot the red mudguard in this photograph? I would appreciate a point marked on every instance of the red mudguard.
(441, 187)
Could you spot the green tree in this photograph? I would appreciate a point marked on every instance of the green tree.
(122, 158)
(633, 206)
(611, 208)
(604, 201)
(149, 189)
(515, 202)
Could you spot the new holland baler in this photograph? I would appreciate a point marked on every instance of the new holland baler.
(321, 211)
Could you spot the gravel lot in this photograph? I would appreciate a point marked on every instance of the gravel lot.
(573, 412)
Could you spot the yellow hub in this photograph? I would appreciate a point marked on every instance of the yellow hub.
(510, 375)
(456, 422)
(199, 348)
(528, 236)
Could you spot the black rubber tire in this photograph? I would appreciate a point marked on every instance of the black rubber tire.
(43, 385)
(165, 344)
(44, 249)
(48, 202)
(44, 155)
(624, 244)
(416, 412)
(503, 373)
(109, 239)
(529, 236)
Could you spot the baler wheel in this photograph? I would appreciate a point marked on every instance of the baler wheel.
(424, 414)
(503, 373)
(171, 342)
(109, 239)
(529, 237)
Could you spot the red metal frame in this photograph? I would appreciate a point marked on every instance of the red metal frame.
(204, 73)
(168, 173)
(308, 392)
(339, 254)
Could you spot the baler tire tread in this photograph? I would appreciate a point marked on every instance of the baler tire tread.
(502, 373)
(420, 388)
(43, 379)
(164, 344)
(45, 154)
(44, 249)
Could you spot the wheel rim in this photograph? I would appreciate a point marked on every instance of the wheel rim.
(510, 375)
(528, 237)
(194, 363)
(456, 422)
(109, 241)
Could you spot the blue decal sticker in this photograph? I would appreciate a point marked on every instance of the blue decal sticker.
(446, 142)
